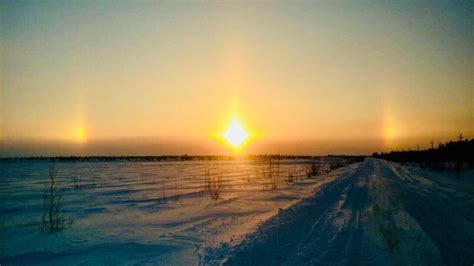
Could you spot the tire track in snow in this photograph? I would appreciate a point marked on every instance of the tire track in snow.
(373, 215)
(338, 231)
(279, 236)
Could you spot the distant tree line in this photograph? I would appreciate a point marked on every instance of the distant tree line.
(453, 155)
(184, 157)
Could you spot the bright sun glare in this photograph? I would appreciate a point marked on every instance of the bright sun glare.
(235, 135)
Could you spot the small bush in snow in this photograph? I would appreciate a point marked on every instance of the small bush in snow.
(213, 185)
(53, 218)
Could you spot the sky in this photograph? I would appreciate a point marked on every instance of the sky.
(300, 77)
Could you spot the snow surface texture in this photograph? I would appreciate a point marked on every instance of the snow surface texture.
(378, 214)
(375, 213)
(139, 213)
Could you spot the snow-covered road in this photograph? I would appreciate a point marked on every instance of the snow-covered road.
(379, 213)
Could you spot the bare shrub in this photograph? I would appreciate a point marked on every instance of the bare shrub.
(274, 176)
(313, 169)
(212, 184)
(317, 168)
(273, 183)
(53, 218)
(290, 178)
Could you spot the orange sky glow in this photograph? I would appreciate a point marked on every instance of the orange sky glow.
(232, 78)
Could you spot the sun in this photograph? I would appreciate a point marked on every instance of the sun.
(235, 135)
(80, 134)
